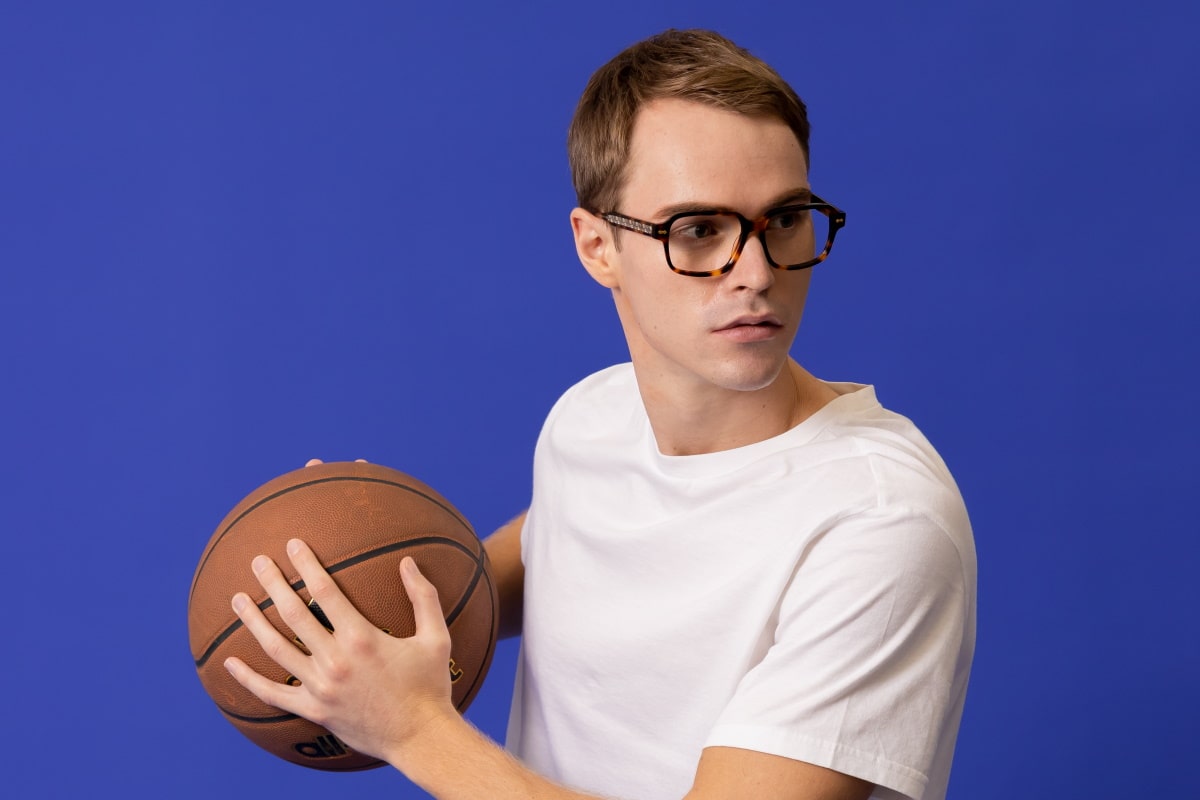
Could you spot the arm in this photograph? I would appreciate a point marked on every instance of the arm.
(391, 698)
(454, 761)
(504, 552)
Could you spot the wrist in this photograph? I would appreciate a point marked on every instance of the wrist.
(428, 726)
(452, 760)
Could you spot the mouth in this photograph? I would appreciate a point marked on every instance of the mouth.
(751, 328)
(753, 321)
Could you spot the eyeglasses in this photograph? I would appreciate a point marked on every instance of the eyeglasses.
(708, 243)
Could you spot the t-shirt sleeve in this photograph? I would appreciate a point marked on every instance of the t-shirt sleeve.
(870, 649)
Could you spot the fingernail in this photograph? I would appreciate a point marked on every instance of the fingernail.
(293, 546)
(259, 564)
(239, 602)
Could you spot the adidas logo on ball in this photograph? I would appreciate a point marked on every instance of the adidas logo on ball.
(328, 746)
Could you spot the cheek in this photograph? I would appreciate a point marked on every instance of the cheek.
(667, 308)
(662, 303)
(795, 289)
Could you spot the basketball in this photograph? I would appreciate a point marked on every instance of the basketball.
(360, 520)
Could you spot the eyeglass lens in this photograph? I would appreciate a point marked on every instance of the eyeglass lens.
(705, 242)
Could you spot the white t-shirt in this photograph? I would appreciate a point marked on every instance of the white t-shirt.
(810, 596)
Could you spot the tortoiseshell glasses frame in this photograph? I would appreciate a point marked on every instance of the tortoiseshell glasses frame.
(661, 231)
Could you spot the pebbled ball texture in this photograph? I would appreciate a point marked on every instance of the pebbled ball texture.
(360, 520)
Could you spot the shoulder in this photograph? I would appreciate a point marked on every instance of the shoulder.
(879, 461)
(909, 529)
(602, 401)
(611, 383)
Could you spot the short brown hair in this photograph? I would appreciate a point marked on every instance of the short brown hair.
(696, 65)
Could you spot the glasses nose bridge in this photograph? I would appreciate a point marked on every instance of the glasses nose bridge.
(758, 226)
(751, 227)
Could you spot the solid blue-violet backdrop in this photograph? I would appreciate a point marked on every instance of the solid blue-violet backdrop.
(237, 236)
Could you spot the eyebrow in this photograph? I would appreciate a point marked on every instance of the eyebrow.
(789, 197)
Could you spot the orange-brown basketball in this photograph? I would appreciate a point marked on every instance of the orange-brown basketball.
(360, 520)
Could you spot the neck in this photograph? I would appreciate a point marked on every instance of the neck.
(691, 423)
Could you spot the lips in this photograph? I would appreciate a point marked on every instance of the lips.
(754, 321)
(750, 328)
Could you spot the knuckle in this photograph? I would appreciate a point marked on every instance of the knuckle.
(441, 653)
(321, 588)
(318, 686)
(274, 650)
(428, 592)
(438, 644)
(293, 613)
(357, 640)
(336, 673)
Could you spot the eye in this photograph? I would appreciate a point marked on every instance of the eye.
(787, 219)
(697, 229)
(702, 233)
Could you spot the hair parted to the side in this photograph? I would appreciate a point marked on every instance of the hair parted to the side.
(696, 65)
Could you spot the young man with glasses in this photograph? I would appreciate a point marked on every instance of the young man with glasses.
(734, 580)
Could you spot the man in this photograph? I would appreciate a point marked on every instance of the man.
(734, 580)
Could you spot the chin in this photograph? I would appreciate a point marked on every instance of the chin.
(749, 377)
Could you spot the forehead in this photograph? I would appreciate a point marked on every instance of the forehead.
(686, 152)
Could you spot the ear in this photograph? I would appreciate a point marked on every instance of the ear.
(594, 244)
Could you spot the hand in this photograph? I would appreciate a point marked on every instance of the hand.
(312, 462)
(374, 691)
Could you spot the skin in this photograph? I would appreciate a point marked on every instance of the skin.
(708, 384)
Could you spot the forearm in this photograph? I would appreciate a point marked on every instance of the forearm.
(452, 760)
(504, 552)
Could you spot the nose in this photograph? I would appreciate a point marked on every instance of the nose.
(752, 271)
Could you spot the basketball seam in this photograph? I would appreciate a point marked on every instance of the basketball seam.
(212, 545)
(483, 670)
(484, 665)
(466, 595)
(350, 562)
